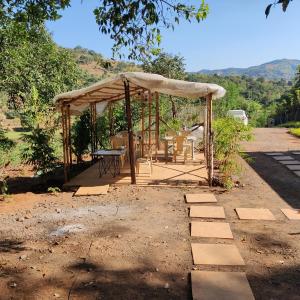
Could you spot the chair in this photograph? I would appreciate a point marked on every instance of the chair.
(145, 160)
(180, 146)
(119, 143)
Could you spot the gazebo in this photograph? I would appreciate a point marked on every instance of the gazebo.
(125, 86)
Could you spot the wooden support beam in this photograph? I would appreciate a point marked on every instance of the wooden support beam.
(156, 122)
(69, 135)
(130, 132)
(65, 142)
(150, 119)
(143, 126)
(210, 140)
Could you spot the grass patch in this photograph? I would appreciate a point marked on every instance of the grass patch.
(291, 124)
(295, 132)
(15, 135)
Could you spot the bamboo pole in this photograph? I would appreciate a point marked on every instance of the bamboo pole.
(69, 135)
(210, 140)
(157, 121)
(64, 142)
(150, 120)
(143, 125)
(130, 133)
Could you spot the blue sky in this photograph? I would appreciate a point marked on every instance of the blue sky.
(235, 34)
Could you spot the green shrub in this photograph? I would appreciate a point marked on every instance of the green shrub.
(38, 151)
(229, 133)
(5, 143)
(81, 136)
(295, 131)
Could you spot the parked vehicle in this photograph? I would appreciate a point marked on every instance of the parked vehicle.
(239, 114)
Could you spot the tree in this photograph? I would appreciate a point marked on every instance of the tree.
(30, 60)
(284, 4)
(134, 24)
(170, 66)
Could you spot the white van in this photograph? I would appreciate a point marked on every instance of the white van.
(238, 114)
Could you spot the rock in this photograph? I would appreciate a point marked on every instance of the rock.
(50, 250)
(119, 236)
(166, 286)
(157, 269)
(28, 217)
(195, 268)
(56, 295)
(20, 219)
(22, 257)
(13, 285)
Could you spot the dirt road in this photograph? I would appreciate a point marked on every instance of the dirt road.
(134, 243)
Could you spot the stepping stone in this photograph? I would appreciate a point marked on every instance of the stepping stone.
(296, 153)
(254, 214)
(293, 167)
(215, 212)
(290, 162)
(291, 214)
(216, 254)
(200, 198)
(92, 190)
(283, 157)
(274, 153)
(208, 285)
(211, 230)
(297, 173)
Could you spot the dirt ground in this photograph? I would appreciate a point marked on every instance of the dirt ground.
(134, 243)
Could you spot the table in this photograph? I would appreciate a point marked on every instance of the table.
(109, 161)
(168, 139)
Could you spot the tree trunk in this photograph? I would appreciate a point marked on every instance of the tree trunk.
(174, 110)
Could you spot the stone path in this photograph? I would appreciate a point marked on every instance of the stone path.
(290, 162)
(214, 285)
(210, 285)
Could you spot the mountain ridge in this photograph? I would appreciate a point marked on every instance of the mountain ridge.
(276, 69)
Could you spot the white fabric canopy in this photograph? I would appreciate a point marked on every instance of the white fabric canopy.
(112, 89)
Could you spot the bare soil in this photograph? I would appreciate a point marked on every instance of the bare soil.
(134, 243)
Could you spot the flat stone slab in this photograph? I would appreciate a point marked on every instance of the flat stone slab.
(274, 153)
(200, 198)
(291, 214)
(215, 212)
(254, 214)
(92, 190)
(289, 162)
(216, 254)
(296, 153)
(284, 157)
(297, 173)
(211, 230)
(208, 285)
(293, 167)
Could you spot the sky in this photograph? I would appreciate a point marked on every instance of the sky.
(235, 34)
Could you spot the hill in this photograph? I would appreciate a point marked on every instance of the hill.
(277, 69)
(98, 66)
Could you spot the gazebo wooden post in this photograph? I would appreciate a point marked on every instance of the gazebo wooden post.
(210, 156)
(143, 125)
(149, 120)
(69, 134)
(130, 132)
(93, 128)
(65, 142)
(157, 121)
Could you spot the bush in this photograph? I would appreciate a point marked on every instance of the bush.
(38, 151)
(81, 136)
(229, 133)
(5, 143)
(291, 124)
(295, 132)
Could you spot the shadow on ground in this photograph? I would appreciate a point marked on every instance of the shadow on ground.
(282, 180)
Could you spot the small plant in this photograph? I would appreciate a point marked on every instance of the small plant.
(81, 136)
(229, 133)
(54, 190)
(38, 151)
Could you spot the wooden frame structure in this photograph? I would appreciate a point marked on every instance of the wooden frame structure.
(124, 86)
